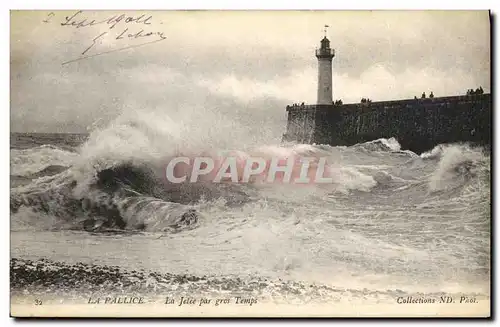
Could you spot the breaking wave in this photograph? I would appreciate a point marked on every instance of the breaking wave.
(115, 180)
(382, 144)
(30, 161)
(457, 165)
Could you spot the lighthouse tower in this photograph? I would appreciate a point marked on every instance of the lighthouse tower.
(325, 56)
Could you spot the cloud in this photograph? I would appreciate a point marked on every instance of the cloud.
(377, 83)
(294, 87)
(246, 65)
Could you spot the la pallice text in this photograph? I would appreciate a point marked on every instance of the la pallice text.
(116, 300)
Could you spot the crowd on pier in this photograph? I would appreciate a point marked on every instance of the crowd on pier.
(424, 96)
(296, 105)
(479, 90)
(339, 102)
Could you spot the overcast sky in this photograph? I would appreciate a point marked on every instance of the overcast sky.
(243, 65)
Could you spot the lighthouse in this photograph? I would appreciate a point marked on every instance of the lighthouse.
(325, 55)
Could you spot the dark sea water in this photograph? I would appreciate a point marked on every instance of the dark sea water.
(90, 214)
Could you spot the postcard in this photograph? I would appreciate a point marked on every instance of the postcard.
(250, 163)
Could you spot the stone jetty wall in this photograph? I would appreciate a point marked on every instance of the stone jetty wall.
(417, 124)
